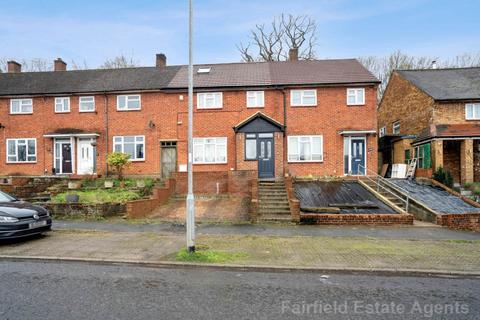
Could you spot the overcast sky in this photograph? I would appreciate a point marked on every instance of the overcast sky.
(95, 30)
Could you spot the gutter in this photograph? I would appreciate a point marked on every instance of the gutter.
(105, 99)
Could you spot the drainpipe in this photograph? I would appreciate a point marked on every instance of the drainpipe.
(105, 99)
(284, 93)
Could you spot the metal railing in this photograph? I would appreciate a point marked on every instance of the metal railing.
(381, 183)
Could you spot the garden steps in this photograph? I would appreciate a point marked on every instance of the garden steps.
(273, 202)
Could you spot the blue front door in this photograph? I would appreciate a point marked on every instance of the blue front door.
(357, 156)
(266, 157)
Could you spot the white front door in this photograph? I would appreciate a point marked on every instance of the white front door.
(86, 156)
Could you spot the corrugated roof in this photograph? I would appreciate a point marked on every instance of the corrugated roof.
(446, 84)
(340, 71)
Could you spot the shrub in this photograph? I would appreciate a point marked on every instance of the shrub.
(443, 176)
(119, 161)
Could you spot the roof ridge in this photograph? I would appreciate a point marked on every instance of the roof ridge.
(438, 69)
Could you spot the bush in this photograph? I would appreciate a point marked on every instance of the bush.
(443, 176)
(119, 161)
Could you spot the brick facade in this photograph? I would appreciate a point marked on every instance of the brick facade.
(163, 116)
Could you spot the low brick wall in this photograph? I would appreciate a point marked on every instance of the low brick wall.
(160, 195)
(293, 202)
(85, 210)
(254, 200)
(216, 182)
(356, 219)
(460, 221)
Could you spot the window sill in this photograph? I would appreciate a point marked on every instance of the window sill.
(20, 113)
(356, 105)
(137, 160)
(212, 108)
(204, 163)
(21, 162)
(126, 110)
(304, 106)
(304, 161)
(60, 112)
(89, 111)
(256, 107)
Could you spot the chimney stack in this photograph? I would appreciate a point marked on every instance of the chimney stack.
(293, 54)
(14, 67)
(161, 60)
(434, 64)
(59, 65)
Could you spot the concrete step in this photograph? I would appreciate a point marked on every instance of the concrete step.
(274, 201)
(275, 217)
(279, 213)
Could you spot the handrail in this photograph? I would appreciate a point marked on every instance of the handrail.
(379, 179)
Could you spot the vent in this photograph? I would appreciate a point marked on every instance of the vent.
(204, 70)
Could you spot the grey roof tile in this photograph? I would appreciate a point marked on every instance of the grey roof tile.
(446, 84)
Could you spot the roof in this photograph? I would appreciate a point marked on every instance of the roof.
(224, 75)
(446, 84)
(84, 81)
(312, 72)
(449, 131)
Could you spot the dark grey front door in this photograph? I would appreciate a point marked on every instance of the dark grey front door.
(266, 157)
(66, 158)
(357, 156)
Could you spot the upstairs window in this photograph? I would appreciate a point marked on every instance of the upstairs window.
(21, 106)
(128, 102)
(472, 111)
(255, 99)
(21, 150)
(210, 150)
(396, 127)
(300, 98)
(86, 104)
(355, 96)
(62, 105)
(305, 148)
(210, 100)
(132, 145)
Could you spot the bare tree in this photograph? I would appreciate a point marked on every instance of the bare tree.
(29, 65)
(382, 67)
(272, 42)
(120, 61)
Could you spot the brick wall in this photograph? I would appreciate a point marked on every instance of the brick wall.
(141, 208)
(451, 158)
(164, 117)
(460, 221)
(357, 219)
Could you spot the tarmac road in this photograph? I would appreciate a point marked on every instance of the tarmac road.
(38, 290)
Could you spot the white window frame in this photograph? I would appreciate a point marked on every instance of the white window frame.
(129, 97)
(203, 96)
(60, 101)
(302, 97)
(297, 152)
(16, 150)
(475, 107)
(382, 131)
(395, 127)
(122, 144)
(200, 143)
(22, 103)
(256, 95)
(354, 92)
(80, 103)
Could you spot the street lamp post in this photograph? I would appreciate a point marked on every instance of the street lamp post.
(190, 197)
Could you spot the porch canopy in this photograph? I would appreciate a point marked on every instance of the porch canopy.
(448, 132)
(70, 132)
(259, 122)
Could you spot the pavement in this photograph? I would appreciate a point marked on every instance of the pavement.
(58, 291)
(419, 231)
(315, 253)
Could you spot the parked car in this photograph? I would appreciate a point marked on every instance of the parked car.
(20, 219)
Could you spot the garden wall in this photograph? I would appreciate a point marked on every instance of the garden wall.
(357, 219)
(81, 210)
(160, 195)
(216, 182)
(460, 221)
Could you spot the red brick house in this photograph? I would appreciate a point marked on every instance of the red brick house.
(298, 117)
(434, 116)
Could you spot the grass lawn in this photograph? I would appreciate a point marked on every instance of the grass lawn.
(100, 196)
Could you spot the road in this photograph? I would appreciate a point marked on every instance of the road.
(37, 290)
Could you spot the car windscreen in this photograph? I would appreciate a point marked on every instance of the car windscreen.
(5, 197)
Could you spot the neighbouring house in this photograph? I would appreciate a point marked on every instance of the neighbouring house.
(434, 116)
(271, 118)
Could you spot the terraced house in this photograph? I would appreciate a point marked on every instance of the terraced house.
(271, 118)
(434, 116)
